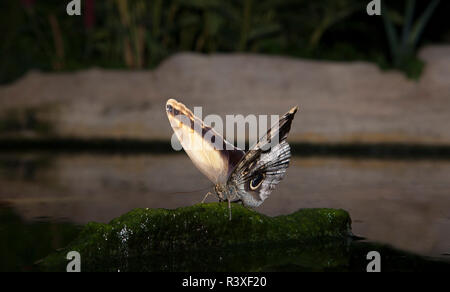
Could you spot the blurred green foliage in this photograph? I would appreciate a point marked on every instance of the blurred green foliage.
(403, 45)
(139, 34)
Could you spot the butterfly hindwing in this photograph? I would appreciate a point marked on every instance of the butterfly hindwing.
(264, 165)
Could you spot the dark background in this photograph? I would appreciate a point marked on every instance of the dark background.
(139, 34)
(84, 135)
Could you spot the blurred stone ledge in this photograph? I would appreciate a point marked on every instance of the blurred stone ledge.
(339, 102)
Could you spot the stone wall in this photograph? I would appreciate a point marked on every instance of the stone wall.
(339, 102)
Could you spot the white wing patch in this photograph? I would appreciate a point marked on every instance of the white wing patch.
(214, 162)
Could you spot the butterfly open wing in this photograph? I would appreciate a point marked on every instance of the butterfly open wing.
(209, 151)
(264, 165)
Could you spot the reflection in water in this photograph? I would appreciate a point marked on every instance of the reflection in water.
(22, 243)
(403, 203)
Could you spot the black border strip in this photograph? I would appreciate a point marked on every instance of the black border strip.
(304, 149)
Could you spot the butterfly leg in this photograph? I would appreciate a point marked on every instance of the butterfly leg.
(207, 194)
(229, 207)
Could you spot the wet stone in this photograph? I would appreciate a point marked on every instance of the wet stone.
(201, 237)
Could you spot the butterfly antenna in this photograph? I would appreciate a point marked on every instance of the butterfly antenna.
(194, 191)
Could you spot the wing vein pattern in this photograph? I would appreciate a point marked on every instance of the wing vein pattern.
(264, 165)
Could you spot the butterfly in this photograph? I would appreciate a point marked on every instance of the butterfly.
(238, 176)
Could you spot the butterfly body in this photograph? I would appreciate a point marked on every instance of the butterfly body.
(248, 177)
(230, 192)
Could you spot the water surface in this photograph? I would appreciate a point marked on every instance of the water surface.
(402, 203)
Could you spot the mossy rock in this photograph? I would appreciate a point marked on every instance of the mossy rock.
(201, 237)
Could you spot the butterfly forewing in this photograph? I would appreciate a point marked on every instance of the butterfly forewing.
(214, 162)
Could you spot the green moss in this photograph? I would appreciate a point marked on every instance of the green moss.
(201, 238)
(196, 237)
